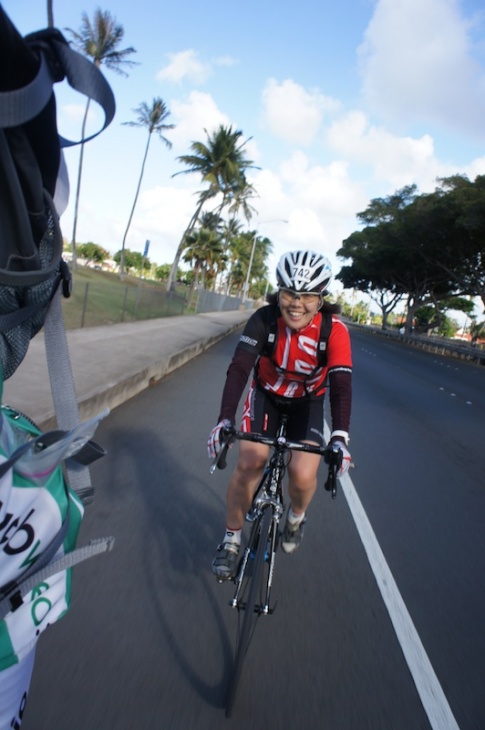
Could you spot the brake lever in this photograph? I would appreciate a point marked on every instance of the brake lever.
(220, 462)
(333, 457)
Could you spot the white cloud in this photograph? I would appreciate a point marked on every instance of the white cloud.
(76, 112)
(292, 113)
(251, 150)
(166, 210)
(389, 160)
(185, 65)
(225, 61)
(393, 159)
(269, 187)
(326, 189)
(307, 205)
(197, 113)
(306, 229)
(70, 119)
(475, 167)
(417, 65)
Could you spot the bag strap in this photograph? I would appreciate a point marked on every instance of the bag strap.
(64, 392)
(57, 61)
(270, 315)
(13, 598)
(62, 385)
(325, 329)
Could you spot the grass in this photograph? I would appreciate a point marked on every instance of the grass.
(100, 297)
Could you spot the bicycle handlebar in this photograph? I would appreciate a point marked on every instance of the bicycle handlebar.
(332, 454)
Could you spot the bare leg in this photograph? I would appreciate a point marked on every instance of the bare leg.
(302, 482)
(248, 471)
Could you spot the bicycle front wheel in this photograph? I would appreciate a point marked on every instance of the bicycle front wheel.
(256, 577)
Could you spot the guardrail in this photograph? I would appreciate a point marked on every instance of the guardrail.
(431, 344)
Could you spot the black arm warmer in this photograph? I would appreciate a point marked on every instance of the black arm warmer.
(237, 377)
(340, 381)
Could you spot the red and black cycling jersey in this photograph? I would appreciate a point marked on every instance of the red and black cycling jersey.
(292, 371)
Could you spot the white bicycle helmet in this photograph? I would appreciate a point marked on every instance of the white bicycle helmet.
(304, 271)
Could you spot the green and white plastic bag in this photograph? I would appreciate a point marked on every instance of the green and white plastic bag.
(37, 508)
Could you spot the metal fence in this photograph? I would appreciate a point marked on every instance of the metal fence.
(105, 302)
(210, 301)
(99, 303)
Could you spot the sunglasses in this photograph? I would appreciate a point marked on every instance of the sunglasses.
(290, 295)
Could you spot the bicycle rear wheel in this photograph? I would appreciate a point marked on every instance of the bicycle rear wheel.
(255, 575)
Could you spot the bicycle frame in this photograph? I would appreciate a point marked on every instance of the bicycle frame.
(268, 495)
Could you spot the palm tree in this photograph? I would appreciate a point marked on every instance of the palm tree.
(98, 40)
(222, 164)
(242, 266)
(203, 251)
(153, 118)
(213, 222)
(240, 200)
(231, 230)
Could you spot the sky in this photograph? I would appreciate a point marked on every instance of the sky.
(339, 103)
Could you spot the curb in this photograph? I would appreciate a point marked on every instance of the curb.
(116, 393)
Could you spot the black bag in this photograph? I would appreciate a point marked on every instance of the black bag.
(32, 177)
(32, 174)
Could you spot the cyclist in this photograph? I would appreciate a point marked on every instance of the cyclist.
(291, 380)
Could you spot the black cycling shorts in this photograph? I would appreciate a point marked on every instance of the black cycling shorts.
(305, 422)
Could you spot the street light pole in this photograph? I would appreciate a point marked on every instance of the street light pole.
(246, 283)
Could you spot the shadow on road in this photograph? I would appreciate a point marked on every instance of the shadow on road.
(176, 519)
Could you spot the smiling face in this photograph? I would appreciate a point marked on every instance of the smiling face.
(298, 308)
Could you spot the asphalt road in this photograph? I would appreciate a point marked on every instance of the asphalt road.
(148, 640)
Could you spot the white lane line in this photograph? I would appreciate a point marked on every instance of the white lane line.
(429, 689)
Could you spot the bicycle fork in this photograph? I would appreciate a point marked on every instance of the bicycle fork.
(270, 556)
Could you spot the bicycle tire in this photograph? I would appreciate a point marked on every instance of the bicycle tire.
(255, 579)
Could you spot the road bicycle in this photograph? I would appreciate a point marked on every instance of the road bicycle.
(254, 576)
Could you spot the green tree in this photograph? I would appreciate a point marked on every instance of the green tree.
(222, 163)
(240, 258)
(204, 250)
(230, 231)
(369, 271)
(396, 253)
(92, 252)
(134, 260)
(457, 212)
(154, 120)
(98, 40)
(477, 330)
(428, 320)
(360, 312)
(162, 272)
(213, 222)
